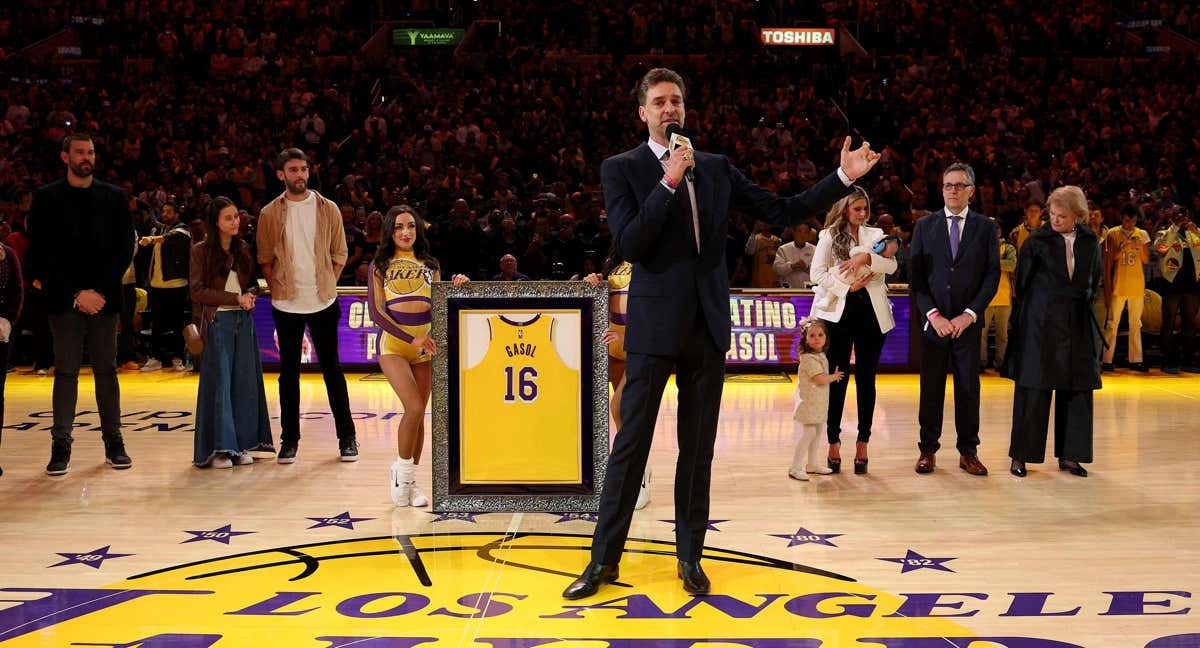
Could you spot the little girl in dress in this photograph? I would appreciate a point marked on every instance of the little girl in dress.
(811, 406)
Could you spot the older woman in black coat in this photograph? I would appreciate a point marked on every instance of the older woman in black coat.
(1056, 342)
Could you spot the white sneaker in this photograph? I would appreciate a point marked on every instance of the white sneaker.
(221, 461)
(41, 372)
(416, 497)
(818, 470)
(153, 364)
(178, 364)
(798, 474)
(643, 492)
(242, 459)
(401, 493)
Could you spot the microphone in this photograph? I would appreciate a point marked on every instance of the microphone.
(677, 139)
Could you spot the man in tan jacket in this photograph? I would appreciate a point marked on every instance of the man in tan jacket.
(302, 250)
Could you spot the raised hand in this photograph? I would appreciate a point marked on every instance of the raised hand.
(857, 163)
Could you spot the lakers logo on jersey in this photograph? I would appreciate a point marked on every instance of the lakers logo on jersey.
(521, 396)
(407, 276)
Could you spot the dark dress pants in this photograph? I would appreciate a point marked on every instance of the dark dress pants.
(960, 356)
(1072, 424)
(700, 376)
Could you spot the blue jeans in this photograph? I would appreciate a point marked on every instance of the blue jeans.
(231, 404)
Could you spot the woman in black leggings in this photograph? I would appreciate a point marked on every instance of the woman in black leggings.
(851, 297)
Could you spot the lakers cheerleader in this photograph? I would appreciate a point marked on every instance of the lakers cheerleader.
(398, 295)
(618, 273)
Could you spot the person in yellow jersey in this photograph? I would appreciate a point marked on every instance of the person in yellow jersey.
(398, 298)
(1000, 308)
(520, 395)
(1126, 252)
(1033, 221)
(762, 246)
(618, 272)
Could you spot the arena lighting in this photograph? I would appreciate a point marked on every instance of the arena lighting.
(797, 36)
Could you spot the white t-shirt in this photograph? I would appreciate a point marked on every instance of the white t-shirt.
(300, 235)
(232, 285)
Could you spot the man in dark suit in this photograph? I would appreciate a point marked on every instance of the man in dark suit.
(954, 270)
(673, 230)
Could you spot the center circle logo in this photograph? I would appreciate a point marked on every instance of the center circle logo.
(485, 589)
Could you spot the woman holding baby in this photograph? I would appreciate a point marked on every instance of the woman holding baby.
(848, 269)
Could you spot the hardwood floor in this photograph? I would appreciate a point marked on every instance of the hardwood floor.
(314, 554)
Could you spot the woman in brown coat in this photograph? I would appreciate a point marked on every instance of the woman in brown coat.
(231, 404)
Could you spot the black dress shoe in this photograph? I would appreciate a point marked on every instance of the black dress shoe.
(590, 580)
(1018, 468)
(1072, 467)
(693, 577)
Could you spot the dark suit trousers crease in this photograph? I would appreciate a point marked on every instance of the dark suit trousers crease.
(858, 330)
(1072, 424)
(961, 356)
(700, 375)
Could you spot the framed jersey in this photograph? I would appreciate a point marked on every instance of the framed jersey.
(520, 396)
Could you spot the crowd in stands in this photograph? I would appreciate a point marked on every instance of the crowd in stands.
(500, 151)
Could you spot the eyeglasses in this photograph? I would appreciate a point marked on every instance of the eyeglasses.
(955, 186)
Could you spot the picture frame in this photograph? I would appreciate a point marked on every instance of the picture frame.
(520, 396)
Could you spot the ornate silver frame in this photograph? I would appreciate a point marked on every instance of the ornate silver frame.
(507, 295)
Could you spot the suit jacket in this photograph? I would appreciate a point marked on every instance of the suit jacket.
(652, 228)
(953, 285)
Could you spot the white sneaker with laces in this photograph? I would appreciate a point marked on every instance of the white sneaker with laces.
(178, 365)
(643, 497)
(153, 364)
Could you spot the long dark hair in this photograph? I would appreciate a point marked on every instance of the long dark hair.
(387, 243)
(612, 260)
(216, 258)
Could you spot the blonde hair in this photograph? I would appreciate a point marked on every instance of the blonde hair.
(836, 223)
(1072, 199)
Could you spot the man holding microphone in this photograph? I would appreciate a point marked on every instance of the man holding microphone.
(668, 210)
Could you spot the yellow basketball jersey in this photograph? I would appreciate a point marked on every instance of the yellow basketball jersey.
(618, 300)
(1129, 280)
(520, 409)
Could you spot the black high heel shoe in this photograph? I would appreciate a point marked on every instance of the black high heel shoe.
(860, 465)
(1018, 468)
(1072, 467)
(834, 464)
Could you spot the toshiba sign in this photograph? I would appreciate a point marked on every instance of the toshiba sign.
(797, 36)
